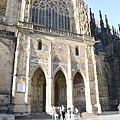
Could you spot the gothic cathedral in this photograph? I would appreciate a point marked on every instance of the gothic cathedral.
(47, 56)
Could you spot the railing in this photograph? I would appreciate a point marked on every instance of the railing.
(56, 32)
(25, 25)
(39, 28)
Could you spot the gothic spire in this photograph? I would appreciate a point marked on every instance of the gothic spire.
(101, 21)
(106, 20)
(113, 30)
(119, 27)
(100, 14)
(90, 14)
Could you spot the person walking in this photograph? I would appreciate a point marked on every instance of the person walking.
(119, 108)
(72, 113)
(56, 113)
(69, 113)
(76, 112)
(63, 112)
(53, 112)
(80, 112)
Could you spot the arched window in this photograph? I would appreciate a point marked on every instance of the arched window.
(51, 14)
(40, 45)
(77, 51)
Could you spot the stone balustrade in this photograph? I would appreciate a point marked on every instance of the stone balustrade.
(43, 29)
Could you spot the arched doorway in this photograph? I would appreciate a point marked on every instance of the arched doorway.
(38, 91)
(60, 93)
(79, 92)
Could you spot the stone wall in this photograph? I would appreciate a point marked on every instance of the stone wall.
(7, 46)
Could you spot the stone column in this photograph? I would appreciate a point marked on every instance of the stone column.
(49, 83)
(96, 81)
(87, 85)
(22, 10)
(29, 11)
(69, 81)
(17, 53)
(28, 81)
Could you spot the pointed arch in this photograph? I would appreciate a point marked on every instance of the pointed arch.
(39, 66)
(80, 71)
(62, 69)
(38, 91)
(60, 88)
(79, 91)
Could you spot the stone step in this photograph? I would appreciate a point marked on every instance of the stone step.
(109, 112)
(40, 116)
(7, 117)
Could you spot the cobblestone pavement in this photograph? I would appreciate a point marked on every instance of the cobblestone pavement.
(88, 117)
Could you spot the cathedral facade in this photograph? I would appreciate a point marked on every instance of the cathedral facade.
(47, 56)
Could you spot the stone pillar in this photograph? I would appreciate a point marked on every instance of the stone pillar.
(28, 81)
(22, 10)
(96, 82)
(17, 53)
(49, 83)
(15, 77)
(12, 11)
(29, 11)
(69, 81)
(87, 85)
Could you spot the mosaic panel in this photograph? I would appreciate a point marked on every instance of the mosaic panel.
(63, 66)
(60, 55)
(35, 61)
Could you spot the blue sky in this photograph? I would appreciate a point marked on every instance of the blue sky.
(111, 8)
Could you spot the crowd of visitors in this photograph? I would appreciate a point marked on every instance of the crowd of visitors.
(61, 113)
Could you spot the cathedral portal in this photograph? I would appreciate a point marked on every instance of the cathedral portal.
(38, 91)
(60, 93)
(79, 92)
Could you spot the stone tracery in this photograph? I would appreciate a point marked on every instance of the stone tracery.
(50, 13)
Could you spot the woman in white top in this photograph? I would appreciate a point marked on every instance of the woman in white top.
(119, 108)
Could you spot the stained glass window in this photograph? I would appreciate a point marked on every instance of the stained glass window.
(51, 13)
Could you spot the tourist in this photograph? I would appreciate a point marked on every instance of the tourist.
(69, 113)
(76, 112)
(72, 113)
(53, 112)
(119, 108)
(80, 112)
(56, 113)
(63, 112)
